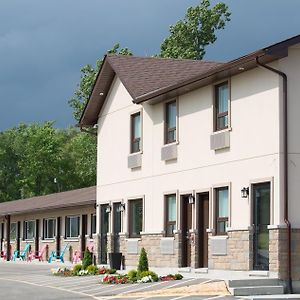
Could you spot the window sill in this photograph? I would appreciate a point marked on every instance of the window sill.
(172, 143)
(48, 240)
(222, 130)
(134, 153)
(70, 239)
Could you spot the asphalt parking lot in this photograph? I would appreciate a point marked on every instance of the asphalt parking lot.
(34, 281)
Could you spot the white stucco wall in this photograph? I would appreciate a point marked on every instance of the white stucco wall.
(253, 153)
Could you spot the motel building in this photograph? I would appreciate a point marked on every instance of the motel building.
(199, 161)
(52, 222)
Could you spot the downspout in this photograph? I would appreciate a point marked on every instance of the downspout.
(285, 161)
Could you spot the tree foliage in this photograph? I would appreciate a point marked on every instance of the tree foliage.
(189, 37)
(87, 81)
(31, 156)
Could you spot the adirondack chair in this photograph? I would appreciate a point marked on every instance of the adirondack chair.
(37, 255)
(56, 256)
(23, 253)
(3, 253)
(76, 257)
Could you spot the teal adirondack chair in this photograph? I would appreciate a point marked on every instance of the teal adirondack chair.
(61, 256)
(23, 253)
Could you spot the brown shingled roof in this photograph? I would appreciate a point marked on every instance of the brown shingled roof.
(80, 197)
(157, 79)
(142, 75)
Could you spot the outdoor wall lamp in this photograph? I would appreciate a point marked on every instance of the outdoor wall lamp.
(191, 199)
(121, 207)
(108, 209)
(245, 192)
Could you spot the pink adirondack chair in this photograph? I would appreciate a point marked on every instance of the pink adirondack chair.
(76, 257)
(91, 246)
(38, 255)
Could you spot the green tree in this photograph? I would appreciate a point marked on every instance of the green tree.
(143, 261)
(189, 37)
(87, 81)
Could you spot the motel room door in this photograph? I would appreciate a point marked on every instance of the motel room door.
(261, 219)
(202, 226)
(186, 225)
(116, 226)
(104, 227)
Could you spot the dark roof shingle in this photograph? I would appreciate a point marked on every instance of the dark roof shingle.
(77, 197)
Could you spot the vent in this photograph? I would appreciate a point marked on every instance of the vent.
(135, 160)
(167, 246)
(169, 152)
(218, 246)
(132, 246)
(220, 140)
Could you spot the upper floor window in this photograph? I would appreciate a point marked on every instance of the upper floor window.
(136, 132)
(222, 209)
(221, 106)
(135, 217)
(13, 231)
(49, 228)
(29, 230)
(170, 123)
(170, 214)
(72, 226)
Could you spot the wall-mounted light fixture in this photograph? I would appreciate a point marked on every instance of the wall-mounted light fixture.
(121, 207)
(245, 192)
(191, 199)
(108, 209)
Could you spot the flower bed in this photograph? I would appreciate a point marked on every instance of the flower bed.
(78, 270)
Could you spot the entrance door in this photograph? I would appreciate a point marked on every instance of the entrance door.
(116, 226)
(83, 232)
(186, 225)
(58, 233)
(104, 230)
(18, 236)
(203, 224)
(261, 220)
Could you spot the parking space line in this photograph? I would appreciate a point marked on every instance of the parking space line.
(181, 282)
(143, 288)
(121, 287)
(215, 297)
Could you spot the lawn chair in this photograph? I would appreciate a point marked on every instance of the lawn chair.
(76, 257)
(37, 255)
(3, 254)
(23, 253)
(56, 256)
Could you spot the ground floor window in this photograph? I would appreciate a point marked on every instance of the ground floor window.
(49, 228)
(93, 223)
(135, 217)
(29, 230)
(222, 209)
(170, 214)
(13, 231)
(72, 226)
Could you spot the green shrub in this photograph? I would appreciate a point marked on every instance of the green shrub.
(132, 275)
(143, 261)
(148, 273)
(76, 269)
(111, 271)
(178, 276)
(87, 259)
(92, 269)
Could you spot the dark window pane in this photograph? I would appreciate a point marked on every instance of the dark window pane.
(222, 100)
(135, 132)
(13, 231)
(136, 217)
(171, 115)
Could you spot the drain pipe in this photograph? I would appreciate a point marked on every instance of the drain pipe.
(285, 160)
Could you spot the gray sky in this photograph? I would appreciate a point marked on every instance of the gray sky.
(44, 44)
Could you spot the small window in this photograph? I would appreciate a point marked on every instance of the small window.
(221, 106)
(72, 226)
(13, 231)
(136, 132)
(170, 214)
(135, 217)
(29, 230)
(49, 228)
(170, 123)
(93, 222)
(221, 210)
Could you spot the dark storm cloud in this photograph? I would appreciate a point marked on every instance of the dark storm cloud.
(43, 44)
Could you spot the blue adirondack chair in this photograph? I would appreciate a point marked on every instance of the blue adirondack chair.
(23, 253)
(60, 256)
